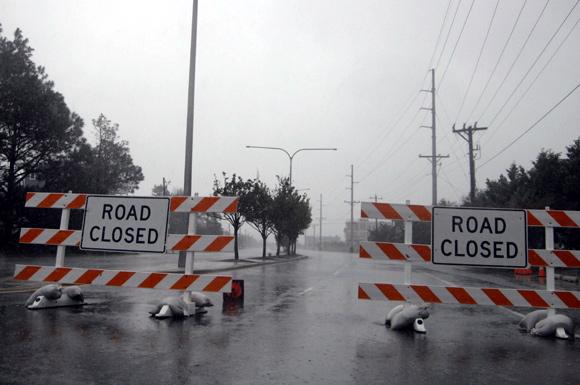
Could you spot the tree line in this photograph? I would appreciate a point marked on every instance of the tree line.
(552, 181)
(42, 144)
(282, 212)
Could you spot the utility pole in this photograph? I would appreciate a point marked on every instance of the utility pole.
(313, 236)
(469, 139)
(165, 185)
(376, 199)
(189, 124)
(351, 202)
(433, 158)
(320, 226)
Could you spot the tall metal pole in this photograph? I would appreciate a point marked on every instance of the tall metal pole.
(189, 124)
(434, 158)
(320, 226)
(351, 208)
(190, 105)
(433, 140)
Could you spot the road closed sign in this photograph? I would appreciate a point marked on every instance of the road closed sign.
(479, 237)
(123, 223)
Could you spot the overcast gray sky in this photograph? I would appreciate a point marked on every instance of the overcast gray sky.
(314, 73)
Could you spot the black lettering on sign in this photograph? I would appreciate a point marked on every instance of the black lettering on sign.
(497, 249)
(512, 250)
(93, 237)
(152, 236)
(471, 249)
(486, 225)
(145, 213)
(103, 238)
(132, 213)
(140, 235)
(120, 212)
(107, 208)
(471, 224)
(500, 225)
(456, 221)
(129, 236)
(117, 234)
(485, 251)
(457, 253)
(445, 253)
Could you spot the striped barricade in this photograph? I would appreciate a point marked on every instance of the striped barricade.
(401, 212)
(408, 253)
(205, 243)
(213, 204)
(423, 213)
(175, 242)
(469, 295)
(55, 200)
(419, 253)
(132, 279)
(53, 237)
(220, 204)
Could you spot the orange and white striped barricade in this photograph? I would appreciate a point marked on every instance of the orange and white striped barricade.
(191, 242)
(117, 278)
(409, 253)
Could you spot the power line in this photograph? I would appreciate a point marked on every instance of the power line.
(534, 63)
(503, 50)
(502, 83)
(439, 35)
(478, 59)
(448, 34)
(534, 80)
(531, 127)
(394, 149)
(456, 43)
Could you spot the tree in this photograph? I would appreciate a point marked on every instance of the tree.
(291, 215)
(234, 186)
(258, 213)
(552, 181)
(36, 126)
(114, 170)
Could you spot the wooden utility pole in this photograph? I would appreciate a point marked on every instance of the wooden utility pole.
(433, 158)
(320, 225)
(467, 134)
(351, 202)
(376, 199)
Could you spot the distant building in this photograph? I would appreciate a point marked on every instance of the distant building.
(32, 181)
(328, 242)
(360, 232)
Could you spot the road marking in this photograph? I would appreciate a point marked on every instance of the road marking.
(19, 291)
(306, 291)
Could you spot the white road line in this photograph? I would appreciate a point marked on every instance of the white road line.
(306, 291)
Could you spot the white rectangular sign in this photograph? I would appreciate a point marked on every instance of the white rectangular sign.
(479, 237)
(123, 223)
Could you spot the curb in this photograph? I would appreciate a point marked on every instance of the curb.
(250, 265)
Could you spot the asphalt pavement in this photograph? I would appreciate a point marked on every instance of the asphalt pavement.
(301, 323)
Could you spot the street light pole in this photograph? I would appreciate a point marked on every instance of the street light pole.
(291, 157)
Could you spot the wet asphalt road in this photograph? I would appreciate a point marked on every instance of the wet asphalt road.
(301, 324)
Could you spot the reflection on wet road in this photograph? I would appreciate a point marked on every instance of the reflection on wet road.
(300, 324)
